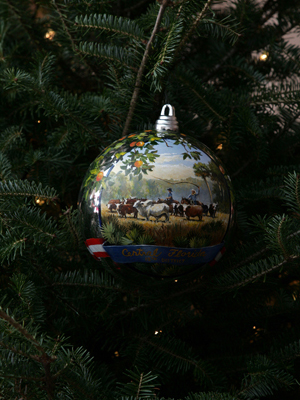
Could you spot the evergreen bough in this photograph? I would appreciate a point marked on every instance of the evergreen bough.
(77, 75)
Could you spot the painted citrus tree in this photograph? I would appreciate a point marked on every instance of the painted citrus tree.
(141, 154)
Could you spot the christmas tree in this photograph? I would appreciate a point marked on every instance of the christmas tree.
(76, 75)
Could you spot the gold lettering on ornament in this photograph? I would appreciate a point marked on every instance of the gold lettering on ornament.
(172, 261)
(188, 254)
(140, 252)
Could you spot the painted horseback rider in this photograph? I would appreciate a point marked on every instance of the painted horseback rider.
(193, 196)
(170, 195)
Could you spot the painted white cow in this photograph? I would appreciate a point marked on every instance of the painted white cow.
(149, 209)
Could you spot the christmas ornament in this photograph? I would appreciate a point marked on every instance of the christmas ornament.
(157, 200)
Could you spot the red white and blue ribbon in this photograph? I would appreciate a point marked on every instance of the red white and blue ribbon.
(218, 256)
(95, 247)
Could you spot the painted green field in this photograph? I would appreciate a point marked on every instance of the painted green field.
(193, 233)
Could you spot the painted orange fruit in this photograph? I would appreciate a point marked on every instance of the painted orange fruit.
(140, 144)
(99, 176)
(132, 144)
(138, 163)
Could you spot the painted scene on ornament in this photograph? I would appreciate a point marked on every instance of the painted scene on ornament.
(167, 190)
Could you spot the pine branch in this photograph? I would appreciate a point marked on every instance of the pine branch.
(121, 26)
(186, 80)
(106, 52)
(176, 355)
(5, 168)
(69, 221)
(172, 294)
(25, 27)
(223, 29)
(56, 293)
(72, 41)
(166, 56)
(20, 188)
(87, 279)
(141, 385)
(33, 224)
(43, 358)
(26, 335)
(192, 29)
(246, 276)
(14, 350)
(220, 64)
(9, 137)
(138, 81)
(212, 396)
(264, 377)
(279, 239)
(291, 191)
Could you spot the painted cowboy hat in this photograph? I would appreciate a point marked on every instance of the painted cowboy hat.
(170, 189)
(193, 191)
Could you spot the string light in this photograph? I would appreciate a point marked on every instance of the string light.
(117, 354)
(220, 147)
(39, 201)
(38, 121)
(260, 55)
(258, 331)
(49, 34)
(263, 56)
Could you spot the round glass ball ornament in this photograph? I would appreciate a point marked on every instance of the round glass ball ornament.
(157, 201)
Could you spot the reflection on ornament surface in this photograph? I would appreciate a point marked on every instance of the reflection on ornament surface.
(166, 196)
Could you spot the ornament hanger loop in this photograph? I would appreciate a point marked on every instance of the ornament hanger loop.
(167, 122)
(171, 110)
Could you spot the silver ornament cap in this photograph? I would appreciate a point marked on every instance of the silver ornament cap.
(167, 122)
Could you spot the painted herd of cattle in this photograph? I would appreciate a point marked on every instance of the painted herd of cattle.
(161, 208)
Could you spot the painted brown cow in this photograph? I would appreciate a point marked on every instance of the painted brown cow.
(124, 209)
(194, 211)
(112, 204)
(132, 200)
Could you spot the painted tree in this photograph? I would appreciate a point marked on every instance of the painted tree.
(205, 172)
